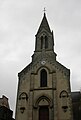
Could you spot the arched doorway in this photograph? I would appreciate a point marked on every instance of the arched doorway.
(43, 107)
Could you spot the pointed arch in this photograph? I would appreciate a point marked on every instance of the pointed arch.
(23, 95)
(63, 94)
(46, 99)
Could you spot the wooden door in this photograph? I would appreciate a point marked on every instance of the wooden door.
(43, 113)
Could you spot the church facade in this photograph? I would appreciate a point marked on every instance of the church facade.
(44, 91)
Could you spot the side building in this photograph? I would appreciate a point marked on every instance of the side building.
(5, 112)
(76, 105)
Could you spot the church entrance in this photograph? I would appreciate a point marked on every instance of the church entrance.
(43, 113)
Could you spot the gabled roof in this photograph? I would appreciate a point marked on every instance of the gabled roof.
(44, 24)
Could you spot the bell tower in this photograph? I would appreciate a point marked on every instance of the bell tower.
(44, 85)
(44, 41)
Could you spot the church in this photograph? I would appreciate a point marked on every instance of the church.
(44, 91)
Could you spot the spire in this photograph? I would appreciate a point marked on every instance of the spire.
(44, 44)
(44, 24)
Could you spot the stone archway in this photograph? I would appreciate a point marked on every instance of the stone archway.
(43, 106)
(43, 100)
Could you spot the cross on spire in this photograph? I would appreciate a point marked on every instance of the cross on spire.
(44, 10)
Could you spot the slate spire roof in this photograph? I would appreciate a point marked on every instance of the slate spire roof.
(44, 24)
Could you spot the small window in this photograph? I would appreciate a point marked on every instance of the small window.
(43, 78)
(46, 42)
(41, 42)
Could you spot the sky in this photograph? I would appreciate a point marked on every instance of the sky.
(19, 22)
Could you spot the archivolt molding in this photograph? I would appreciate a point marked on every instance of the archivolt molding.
(39, 67)
(43, 67)
(23, 95)
(63, 92)
(41, 97)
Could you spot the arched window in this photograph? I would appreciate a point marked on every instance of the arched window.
(41, 42)
(46, 42)
(43, 78)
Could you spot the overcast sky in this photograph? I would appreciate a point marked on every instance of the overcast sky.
(19, 22)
